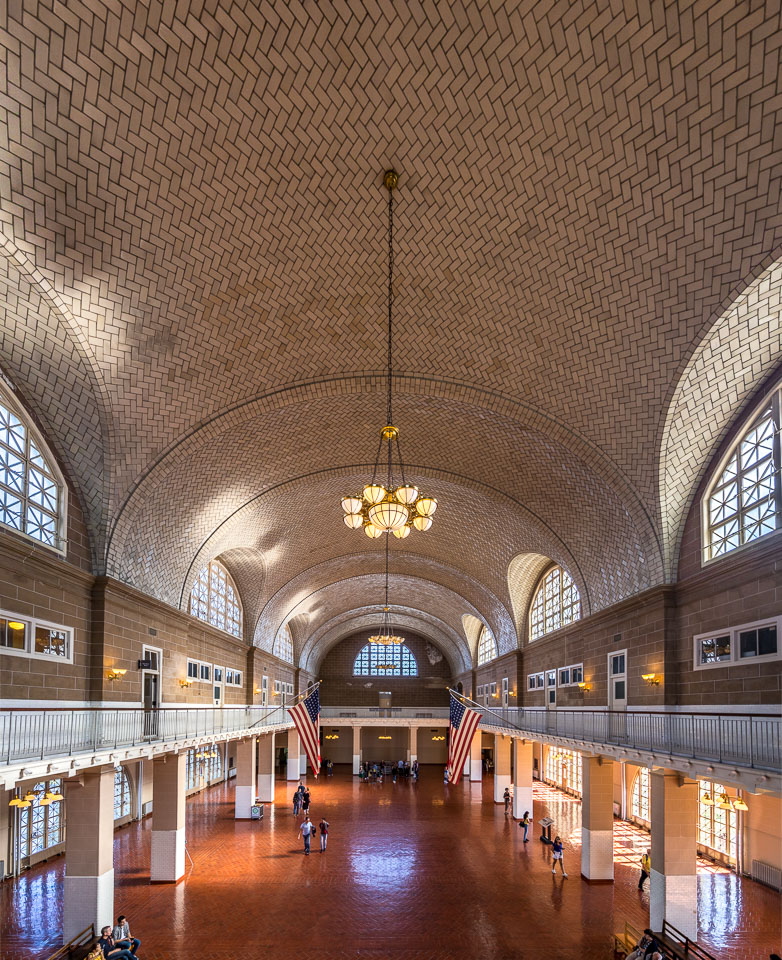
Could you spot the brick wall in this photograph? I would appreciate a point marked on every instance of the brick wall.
(341, 687)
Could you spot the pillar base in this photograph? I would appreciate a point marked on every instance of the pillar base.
(243, 800)
(167, 860)
(294, 773)
(356, 764)
(501, 780)
(597, 855)
(265, 792)
(87, 900)
(675, 899)
(522, 800)
(303, 764)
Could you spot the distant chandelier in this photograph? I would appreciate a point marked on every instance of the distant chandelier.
(385, 638)
(391, 508)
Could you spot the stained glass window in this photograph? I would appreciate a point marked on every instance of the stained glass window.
(214, 598)
(283, 645)
(121, 794)
(376, 660)
(744, 502)
(639, 798)
(31, 489)
(556, 603)
(487, 646)
(716, 827)
(40, 825)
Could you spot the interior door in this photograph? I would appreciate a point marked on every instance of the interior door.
(617, 693)
(151, 703)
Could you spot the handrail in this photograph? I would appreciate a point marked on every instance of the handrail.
(80, 940)
(690, 947)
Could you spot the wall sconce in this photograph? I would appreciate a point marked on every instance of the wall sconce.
(740, 804)
(114, 674)
(384, 737)
(26, 802)
(185, 683)
(438, 738)
(331, 736)
(706, 800)
(724, 802)
(584, 686)
(651, 678)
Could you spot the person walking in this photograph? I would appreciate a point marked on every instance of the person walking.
(296, 803)
(324, 833)
(306, 830)
(445, 776)
(559, 857)
(646, 866)
(524, 824)
(305, 802)
(506, 798)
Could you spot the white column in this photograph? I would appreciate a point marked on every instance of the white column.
(501, 766)
(522, 778)
(412, 752)
(673, 883)
(294, 745)
(302, 761)
(597, 818)
(265, 791)
(167, 858)
(88, 895)
(476, 759)
(356, 750)
(245, 778)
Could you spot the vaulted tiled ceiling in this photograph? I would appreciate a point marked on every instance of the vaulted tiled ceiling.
(193, 223)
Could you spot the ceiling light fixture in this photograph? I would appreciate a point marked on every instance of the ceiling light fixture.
(391, 508)
(385, 637)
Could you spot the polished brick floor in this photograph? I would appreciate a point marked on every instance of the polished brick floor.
(412, 871)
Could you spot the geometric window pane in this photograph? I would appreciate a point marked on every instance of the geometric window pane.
(283, 645)
(555, 604)
(376, 660)
(214, 599)
(121, 794)
(640, 795)
(487, 646)
(10, 510)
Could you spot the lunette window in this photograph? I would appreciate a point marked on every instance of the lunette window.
(487, 646)
(29, 637)
(556, 603)
(32, 492)
(744, 501)
(376, 660)
(215, 599)
(283, 645)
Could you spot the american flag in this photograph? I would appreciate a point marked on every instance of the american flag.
(306, 719)
(464, 723)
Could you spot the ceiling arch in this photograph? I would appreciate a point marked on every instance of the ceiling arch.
(524, 572)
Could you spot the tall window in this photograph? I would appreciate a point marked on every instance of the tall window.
(40, 825)
(487, 646)
(563, 767)
(716, 827)
(283, 645)
(744, 502)
(375, 660)
(214, 598)
(214, 763)
(556, 603)
(121, 794)
(191, 770)
(32, 493)
(639, 798)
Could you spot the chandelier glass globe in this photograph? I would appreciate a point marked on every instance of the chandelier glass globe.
(353, 520)
(372, 531)
(389, 514)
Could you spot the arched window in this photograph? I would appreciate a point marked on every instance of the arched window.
(283, 644)
(41, 824)
(556, 603)
(743, 501)
(214, 598)
(639, 798)
(376, 660)
(716, 825)
(121, 794)
(32, 491)
(487, 646)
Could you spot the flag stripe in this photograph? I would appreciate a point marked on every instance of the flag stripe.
(463, 724)
(306, 719)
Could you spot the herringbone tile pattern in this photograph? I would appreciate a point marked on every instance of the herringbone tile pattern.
(412, 872)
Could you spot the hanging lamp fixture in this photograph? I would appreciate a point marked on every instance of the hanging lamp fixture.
(394, 507)
(385, 637)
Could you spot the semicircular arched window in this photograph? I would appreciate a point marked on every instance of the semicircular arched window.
(376, 660)
(283, 644)
(744, 500)
(32, 489)
(556, 603)
(215, 599)
(487, 646)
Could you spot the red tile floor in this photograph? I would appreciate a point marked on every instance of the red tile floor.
(412, 871)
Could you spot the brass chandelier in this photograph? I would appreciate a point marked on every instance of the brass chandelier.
(385, 638)
(389, 508)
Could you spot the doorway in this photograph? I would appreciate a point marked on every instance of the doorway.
(217, 686)
(150, 687)
(617, 693)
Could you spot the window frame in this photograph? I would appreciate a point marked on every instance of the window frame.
(571, 681)
(773, 397)
(735, 660)
(29, 814)
(213, 597)
(540, 588)
(31, 624)
(195, 677)
(638, 780)
(373, 652)
(486, 633)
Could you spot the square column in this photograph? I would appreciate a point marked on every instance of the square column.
(412, 750)
(597, 818)
(89, 852)
(501, 766)
(302, 761)
(476, 760)
(265, 791)
(356, 750)
(245, 778)
(167, 860)
(294, 746)
(673, 884)
(522, 778)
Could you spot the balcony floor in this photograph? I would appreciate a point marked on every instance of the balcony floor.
(411, 872)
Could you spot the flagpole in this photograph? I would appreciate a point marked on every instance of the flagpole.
(482, 708)
(287, 706)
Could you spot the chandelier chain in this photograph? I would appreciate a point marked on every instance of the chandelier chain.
(389, 417)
